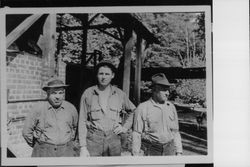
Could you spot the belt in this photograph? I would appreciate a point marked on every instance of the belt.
(100, 132)
(157, 143)
(54, 145)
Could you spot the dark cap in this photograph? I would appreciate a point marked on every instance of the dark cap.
(54, 83)
(107, 63)
(160, 79)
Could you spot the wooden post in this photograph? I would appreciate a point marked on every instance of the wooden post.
(47, 43)
(127, 61)
(84, 19)
(137, 84)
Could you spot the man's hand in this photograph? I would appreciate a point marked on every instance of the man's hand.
(178, 154)
(84, 152)
(120, 129)
(140, 153)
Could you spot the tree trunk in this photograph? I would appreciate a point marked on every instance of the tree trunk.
(194, 49)
(187, 45)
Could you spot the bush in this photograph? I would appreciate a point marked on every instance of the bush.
(185, 91)
(191, 91)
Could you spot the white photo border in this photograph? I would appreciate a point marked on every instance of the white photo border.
(123, 160)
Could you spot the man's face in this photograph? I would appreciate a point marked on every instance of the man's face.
(56, 96)
(104, 76)
(161, 93)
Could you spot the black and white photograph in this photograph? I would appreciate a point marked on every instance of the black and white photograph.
(106, 85)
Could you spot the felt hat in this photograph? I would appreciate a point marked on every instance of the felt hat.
(160, 79)
(54, 83)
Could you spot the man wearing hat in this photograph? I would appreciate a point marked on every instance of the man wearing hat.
(51, 125)
(156, 129)
(100, 123)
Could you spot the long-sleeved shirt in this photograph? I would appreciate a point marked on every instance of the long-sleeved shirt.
(46, 124)
(156, 122)
(92, 114)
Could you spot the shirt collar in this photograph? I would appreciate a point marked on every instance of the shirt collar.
(50, 106)
(157, 105)
(96, 90)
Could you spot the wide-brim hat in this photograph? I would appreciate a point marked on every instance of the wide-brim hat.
(106, 63)
(161, 79)
(54, 83)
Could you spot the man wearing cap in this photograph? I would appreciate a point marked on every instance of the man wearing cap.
(51, 125)
(156, 129)
(100, 123)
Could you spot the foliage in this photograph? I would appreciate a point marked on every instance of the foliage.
(96, 40)
(191, 91)
(185, 91)
(182, 37)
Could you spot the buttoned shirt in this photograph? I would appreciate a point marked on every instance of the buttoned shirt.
(50, 125)
(92, 114)
(156, 123)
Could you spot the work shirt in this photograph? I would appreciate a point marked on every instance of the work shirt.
(93, 116)
(49, 125)
(156, 123)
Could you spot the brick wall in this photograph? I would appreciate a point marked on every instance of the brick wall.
(25, 74)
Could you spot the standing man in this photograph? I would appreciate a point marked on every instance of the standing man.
(50, 127)
(100, 120)
(156, 129)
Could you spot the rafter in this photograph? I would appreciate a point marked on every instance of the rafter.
(104, 26)
(112, 35)
(93, 18)
(21, 28)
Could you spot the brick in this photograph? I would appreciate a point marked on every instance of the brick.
(12, 65)
(25, 112)
(32, 68)
(11, 97)
(32, 63)
(22, 66)
(11, 86)
(14, 113)
(12, 106)
(12, 75)
(11, 70)
(21, 87)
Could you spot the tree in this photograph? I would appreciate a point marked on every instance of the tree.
(177, 33)
(182, 37)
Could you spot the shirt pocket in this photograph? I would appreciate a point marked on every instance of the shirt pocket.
(95, 113)
(152, 124)
(114, 113)
(172, 123)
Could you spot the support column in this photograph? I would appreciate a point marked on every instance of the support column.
(47, 43)
(127, 61)
(84, 20)
(137, 84)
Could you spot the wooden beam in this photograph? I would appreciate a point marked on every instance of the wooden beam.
(93, 18)
(127, 61)
(84, 20)
(105, 32)
(21, 28)
(73, 28)
(120, 33)
(137, 83)
(47, 42)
